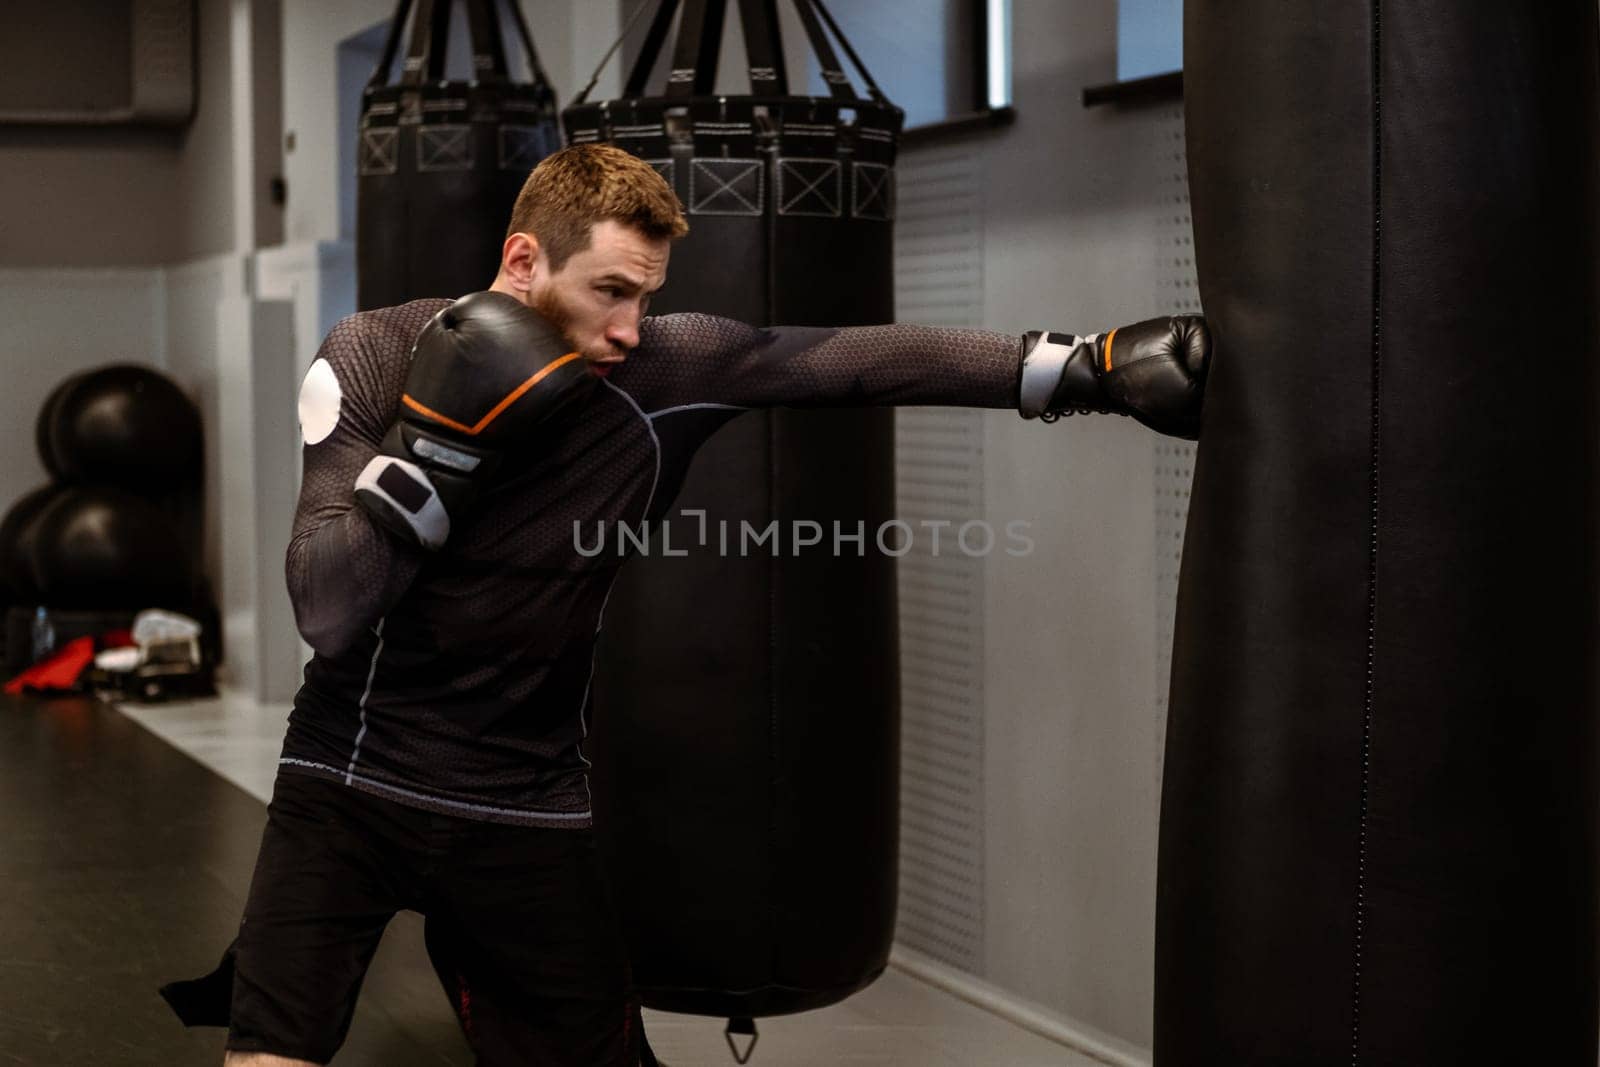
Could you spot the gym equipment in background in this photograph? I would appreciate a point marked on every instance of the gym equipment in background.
(17, 532)
(441, 161)
(1378, 817)
(746, 731)
(99, 547)
(120, 528)
(124, 425)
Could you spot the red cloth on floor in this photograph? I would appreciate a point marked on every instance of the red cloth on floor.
(58, 672)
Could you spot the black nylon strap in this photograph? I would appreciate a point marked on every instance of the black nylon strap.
(488, 46)
(694, 59)
(427, 39)
(650, 51)
(411, 71)
(535, 69)
(764, 47)
(438, 40)
(844, 42)
(391, 45)
(838, 83)
(699, 39)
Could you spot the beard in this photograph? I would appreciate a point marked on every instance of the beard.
(558, 314)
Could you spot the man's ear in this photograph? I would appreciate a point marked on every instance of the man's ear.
(519, 261)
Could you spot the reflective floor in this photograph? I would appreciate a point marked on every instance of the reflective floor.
(125, 863)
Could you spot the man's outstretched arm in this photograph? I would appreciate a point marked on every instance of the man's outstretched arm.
(1154, 370)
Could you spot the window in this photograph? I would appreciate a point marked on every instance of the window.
(1149, 38)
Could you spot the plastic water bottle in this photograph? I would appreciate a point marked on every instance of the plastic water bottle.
(44, 634)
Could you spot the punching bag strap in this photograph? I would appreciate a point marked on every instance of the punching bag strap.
(488, 47)
(535, 69)
(648, 54)
(844, 42)
(694, 59)
(763, 47)
(650, 51)
(437, 45)
(838, 82)
(391, 45)
(430, 33)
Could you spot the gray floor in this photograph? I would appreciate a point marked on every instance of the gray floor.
(899, 1021)
(124, 866)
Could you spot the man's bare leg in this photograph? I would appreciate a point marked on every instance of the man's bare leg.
(262, 1059)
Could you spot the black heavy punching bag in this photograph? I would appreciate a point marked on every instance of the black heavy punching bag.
(1378, 824)
(747, 712)
(441, 162)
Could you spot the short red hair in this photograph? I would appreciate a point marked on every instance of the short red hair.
(575, 188)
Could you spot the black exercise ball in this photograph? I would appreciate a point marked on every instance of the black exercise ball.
(125, 425)
(95, 547)
(41, 428)
(17, 532)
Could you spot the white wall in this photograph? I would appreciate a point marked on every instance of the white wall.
(88, 198)
(1072, 737)
(312, 31)
(125, 196)
(207, 219)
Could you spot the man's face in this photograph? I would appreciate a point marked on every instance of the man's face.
(599, 295)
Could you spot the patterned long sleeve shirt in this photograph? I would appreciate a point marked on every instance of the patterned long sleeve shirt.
(458, 680)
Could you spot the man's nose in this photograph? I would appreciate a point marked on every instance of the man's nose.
(623, 330)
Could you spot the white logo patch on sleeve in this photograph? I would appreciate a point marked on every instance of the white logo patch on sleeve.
(320, 396)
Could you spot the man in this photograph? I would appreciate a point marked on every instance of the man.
(434, 759)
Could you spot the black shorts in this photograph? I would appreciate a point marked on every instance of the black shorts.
(519, 925)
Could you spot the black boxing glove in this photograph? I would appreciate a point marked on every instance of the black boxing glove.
(485, 372)
(1153, 370)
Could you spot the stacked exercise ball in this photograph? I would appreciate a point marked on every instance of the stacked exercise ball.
(110, 532)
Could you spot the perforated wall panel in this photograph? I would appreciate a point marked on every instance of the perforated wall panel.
(939, 474)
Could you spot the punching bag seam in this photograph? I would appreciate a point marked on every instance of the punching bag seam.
(775, 676)
(1373, 485)
(775, 738)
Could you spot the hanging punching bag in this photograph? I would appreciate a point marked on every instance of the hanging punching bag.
(746, 729)
(441, 162)
(1378, 821)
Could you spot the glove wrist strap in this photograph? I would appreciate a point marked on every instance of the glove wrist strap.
(1044, 361)
(399, 495)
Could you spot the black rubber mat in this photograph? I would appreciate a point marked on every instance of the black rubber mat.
(124, 865)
